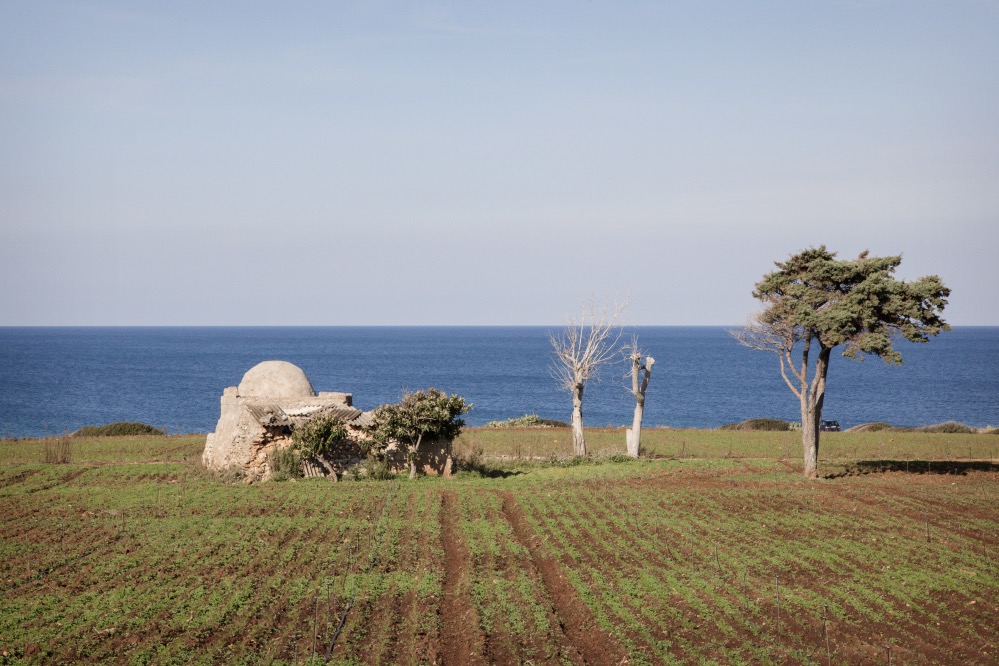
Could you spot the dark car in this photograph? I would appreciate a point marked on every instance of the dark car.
(829, 426)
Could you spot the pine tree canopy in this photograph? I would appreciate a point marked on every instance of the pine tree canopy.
(857, 303)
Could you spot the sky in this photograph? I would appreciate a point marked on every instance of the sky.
(485, 163)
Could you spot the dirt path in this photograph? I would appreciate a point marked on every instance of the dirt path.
(462, 641)
(574, 617)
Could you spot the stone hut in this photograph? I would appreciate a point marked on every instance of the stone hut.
(259, 416)
(273, 399)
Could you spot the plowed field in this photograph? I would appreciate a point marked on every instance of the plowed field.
(664, 561)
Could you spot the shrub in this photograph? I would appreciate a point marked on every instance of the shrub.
(318, 435)
(471, 463)
(285, 463)
(527, 421)
(573, 461)
(118, 429)
(376, 468)
(429, 415)
(949, 427)
(877, 426)
(373, 468)
(228, 475)
(353, 472)
(770, 425)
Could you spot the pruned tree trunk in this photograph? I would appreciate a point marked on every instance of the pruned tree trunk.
(633, 435)
(578, 440)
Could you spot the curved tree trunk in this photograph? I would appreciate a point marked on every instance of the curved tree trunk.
(413, 454)
(578, 441)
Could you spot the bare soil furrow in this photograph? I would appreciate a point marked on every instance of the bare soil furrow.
(461, 640)
(575, 618)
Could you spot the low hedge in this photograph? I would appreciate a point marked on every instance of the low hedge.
(527, 421)
(949, 427)
(769, 425)
(118, 429)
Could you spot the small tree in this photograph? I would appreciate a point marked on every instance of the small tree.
(422, 415)
(317, 436)
(815, 301)
(580, 349)
(640, 373)
(315, 440)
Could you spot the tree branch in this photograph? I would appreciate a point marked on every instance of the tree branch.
(586, 343)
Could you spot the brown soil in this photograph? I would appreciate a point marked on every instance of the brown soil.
(575, 619)
(69, 545)
(462, 642)
(916, 635)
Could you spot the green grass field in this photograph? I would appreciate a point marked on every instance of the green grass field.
(836, 448)
(713, 550)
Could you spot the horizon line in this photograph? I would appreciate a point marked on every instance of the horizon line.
(12, 326)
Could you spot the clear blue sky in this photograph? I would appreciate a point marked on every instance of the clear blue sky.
(331, 163)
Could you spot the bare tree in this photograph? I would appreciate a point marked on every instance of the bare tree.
(767, 332)
(640, 373)
(586, 343)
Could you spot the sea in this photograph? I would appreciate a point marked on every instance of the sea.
(54, 380)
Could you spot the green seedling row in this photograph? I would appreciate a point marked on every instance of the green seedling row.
(641, 555)
(717, 552)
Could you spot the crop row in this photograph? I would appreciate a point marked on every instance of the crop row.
(681, 567)
(173, 569)
(526, 443)
(728, 561)
(515, 618)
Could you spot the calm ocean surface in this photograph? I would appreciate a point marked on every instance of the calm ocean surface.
(58, 379)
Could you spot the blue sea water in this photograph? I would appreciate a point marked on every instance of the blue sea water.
(58, 379)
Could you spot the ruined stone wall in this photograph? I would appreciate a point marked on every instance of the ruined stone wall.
(259, 416)
(238, 441)
(431, 459)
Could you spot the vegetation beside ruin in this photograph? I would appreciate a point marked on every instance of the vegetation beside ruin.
(318, 435)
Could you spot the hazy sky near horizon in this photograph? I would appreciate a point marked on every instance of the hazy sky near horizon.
(342, 163)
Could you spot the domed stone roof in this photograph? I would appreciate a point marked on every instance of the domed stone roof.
(277, 380)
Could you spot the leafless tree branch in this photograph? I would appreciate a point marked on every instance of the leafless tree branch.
(588, 341)
(764, 332)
